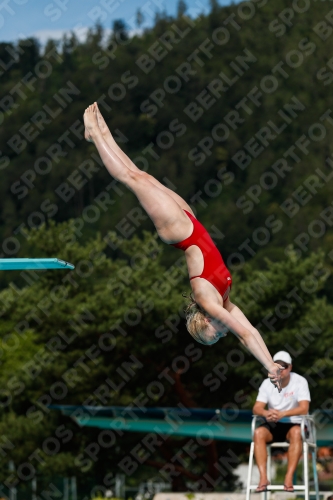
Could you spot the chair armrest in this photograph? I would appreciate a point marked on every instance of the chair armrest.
(307, 422)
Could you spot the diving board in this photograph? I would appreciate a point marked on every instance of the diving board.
(37, 264)
(221, 423)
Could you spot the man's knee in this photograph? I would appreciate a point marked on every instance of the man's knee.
(261, 434)
(294, 433)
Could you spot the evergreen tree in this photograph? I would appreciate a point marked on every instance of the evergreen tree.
(139, 18)
(65, 333)
(181, 8)
(119, 30)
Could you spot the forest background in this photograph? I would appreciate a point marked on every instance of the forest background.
(233, 111)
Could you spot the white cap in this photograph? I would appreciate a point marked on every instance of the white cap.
(282, 356)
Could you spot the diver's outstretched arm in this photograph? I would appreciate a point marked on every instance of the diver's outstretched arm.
(240, 316)
(254, 343)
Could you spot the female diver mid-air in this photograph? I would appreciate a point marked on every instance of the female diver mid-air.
(211, 313)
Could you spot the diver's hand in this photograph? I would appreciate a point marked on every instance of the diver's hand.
(274, 375)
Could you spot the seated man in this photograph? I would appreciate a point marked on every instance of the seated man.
(293, 400)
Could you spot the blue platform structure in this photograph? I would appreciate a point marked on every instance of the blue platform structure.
(36, 264)
(221, 424)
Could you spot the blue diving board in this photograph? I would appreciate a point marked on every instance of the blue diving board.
(222, 424)
(17, 264)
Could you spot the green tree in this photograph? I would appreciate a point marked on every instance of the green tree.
(186, 165)
(119, 30)
(68, 332)
(181, 8)
(139, 18)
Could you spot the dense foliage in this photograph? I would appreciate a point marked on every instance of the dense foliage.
(150, 108)
(111, 333)
(233, 111)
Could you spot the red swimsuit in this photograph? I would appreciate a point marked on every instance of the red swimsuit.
(214, 270)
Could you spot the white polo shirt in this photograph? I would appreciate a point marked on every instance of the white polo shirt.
(297, 390)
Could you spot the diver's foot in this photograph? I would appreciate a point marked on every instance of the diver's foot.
(105, 131)
(90, 123)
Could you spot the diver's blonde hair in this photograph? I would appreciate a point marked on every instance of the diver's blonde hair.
(195, 319)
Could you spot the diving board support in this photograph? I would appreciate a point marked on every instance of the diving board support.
(36, 264)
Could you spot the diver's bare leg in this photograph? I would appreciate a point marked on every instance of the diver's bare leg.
(108, 137)
(170, 221)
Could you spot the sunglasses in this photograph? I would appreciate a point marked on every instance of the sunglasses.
(284, 365)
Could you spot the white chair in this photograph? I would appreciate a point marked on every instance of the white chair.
(308, 433)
